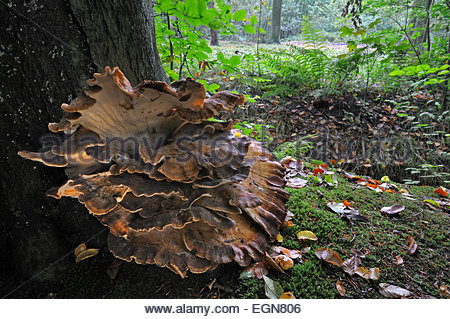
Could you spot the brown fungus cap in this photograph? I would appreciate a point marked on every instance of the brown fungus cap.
(175, 189)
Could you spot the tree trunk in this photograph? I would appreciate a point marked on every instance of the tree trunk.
(48, 50)
(214, 36)
(421, 21)
(276, 21)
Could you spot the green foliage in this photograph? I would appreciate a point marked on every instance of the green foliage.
(260, 132)
(296, 149)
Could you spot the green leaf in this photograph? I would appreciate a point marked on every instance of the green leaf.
(253, 20)
(346, 31)
(261, 30)
(249, 29)
(397, 73)
(220, 57)
(377, 21)
(239, 15)
(235, 60)
(272, 288)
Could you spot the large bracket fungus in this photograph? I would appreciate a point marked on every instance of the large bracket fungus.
(175, 189)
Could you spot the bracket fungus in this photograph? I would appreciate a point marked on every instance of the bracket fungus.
(175, 189)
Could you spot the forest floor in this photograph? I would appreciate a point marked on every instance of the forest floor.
(386, 241)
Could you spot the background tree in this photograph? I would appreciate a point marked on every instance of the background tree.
(49, 49)
(214, 36)
(276, 20)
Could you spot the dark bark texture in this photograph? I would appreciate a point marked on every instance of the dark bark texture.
(214, 40)
(276, 20)
(48, 49)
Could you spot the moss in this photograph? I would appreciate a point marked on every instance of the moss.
(384, 237)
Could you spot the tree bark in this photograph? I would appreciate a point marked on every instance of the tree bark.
(276, 21)
(419, 21)
(214, 40)
(48, 49)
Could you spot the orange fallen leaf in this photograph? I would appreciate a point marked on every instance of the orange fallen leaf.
(284, 262)
(329, 256)
(287, 223)
(79, 249)
(441, 191)
(340, 287)
(287, 295)
(412, 245)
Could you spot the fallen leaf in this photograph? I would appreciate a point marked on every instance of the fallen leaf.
(385, 179)
(442, 191)
(113, 269)
(85, 254)
(284, 262)
(351, 264)
(287, 224)
(329, 256)
(391, 291)
(292, 253)
(398, 260)
(287, 295)
(340, 287)
(393, 210)
(444, 292)
(296, 182)
(79, 249)
(432, 202)
(412, 245)
(372, 273)
(257, 270)
(271, 264)
(306, 234)
(279, 238)
(272, 288)
(343, 211)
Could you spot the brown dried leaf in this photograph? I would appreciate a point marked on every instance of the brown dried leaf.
(284, 262)
(79, 249)
(306, 234)
(351, 264)
(257, 270)
(412, 245)
(372, 273)
(340, 287)
(296, 182)
(85, 254)
(444, 292)
(329, 256)
(292, 253)
(393, 210)
(113, 269)
(271, 264)
(398, 260)
(287, 295)
(391, 291)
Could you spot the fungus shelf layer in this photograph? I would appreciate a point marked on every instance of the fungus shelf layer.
(175, 189)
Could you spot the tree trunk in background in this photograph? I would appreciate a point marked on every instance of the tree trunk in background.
(214, 36)
(421, 21)
(276, 21)
(48, 49)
